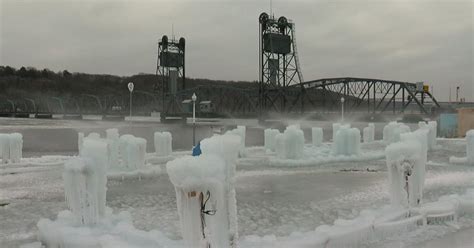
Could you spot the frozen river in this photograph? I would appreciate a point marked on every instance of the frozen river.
(270, 201)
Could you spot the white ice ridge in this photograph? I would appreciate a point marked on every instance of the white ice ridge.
(132, 152)
(290, 144)
(392, 131)
(369, 133)
(317, 136)
(406, 163)
(85, 182)
(347, 141)
(11, 147)
(469, 159)
(431, 126)
(207, 180)
(270, 138)
(163, 144)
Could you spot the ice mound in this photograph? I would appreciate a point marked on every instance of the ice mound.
(392, 131)
(317, 136)
(163, 144)
(290, 144)
(406, 169)
(239, 131)
(113, 140)
(335, 128)
(132, 151)
(369, 133)
(205, 191)
(347, 141)
(270, 138)
(11, 147)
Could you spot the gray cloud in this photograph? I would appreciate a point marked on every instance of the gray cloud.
(419, 40)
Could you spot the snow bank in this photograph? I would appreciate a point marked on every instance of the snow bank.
(392, 131)
(347, 141)
(270, 138)
(290, 144)
(406, 169)
(132, 151)
(431, 127)
(163, 144)
(11, 147)
(317, 136)
(369, 133)
(113, 140)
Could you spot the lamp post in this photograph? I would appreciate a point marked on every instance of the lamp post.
(130, 88)
(342, 109)
(194, 98)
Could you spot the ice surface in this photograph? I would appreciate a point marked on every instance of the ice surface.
(369, 133)
(270, 138)
(317, 136)
(392, 131)
(347, 141)
(163, 144)
(85, 182)
(290, 144)
(113, 140)
(406, 169)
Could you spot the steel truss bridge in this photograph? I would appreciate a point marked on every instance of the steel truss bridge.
(362, 95)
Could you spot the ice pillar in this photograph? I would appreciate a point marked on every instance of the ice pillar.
(347, 141)
(113, 139)
(270, 138)
(406, 170)
(5, 147)
(369, 133)
(317, 136)
(163, 143)
(470, 146)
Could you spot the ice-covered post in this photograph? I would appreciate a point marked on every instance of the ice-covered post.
(431, 126)
(317, 136)
(470, 146)
(163, 144)
(5, 147)
(80, 141)
(16, 147)
(342, 109)
(113, 140)
(369, 133)
(205, 193)
(406, 173)
(270, 138)
(194, 98)
(347, 141)
(85, 182)
(130, 88)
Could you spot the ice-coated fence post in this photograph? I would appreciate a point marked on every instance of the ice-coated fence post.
(317, 136)
(163, 143)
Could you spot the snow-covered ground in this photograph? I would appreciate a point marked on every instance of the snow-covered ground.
(272, 201)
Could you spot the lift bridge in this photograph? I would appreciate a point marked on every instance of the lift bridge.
(280, 88)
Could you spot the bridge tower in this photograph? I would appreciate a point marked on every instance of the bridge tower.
(278, 64)
(171, 72)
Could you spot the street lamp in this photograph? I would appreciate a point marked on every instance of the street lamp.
(342, 109)
(194, 98)
(130, 88)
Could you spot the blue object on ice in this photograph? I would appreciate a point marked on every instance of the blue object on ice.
(197, 150)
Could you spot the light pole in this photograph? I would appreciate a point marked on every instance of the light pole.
(342, 109)
(130, 88)
(194, 98)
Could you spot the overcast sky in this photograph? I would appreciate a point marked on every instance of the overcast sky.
(406, 40)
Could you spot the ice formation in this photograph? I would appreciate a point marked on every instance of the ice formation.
(113, 140)
(80, 141)
(431, 126)
(270, 138)
(85, 182)
(290, 144)
(469, 159)
(392, 131)
(11, 147)
(406, 169)
(163, 141)
(132, 151)
(347, 141)
(335, 128)
(205, 191)
(239, 131)
(369, 133)
(317, 136)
